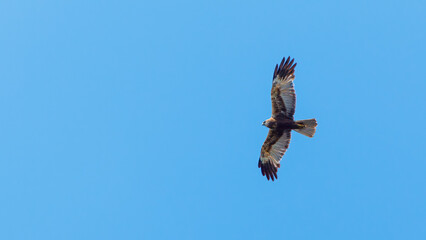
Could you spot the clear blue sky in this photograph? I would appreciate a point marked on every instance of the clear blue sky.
(142, 120)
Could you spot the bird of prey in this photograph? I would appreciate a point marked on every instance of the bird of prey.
(282, 122)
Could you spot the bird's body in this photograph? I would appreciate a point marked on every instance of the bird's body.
(281, 123)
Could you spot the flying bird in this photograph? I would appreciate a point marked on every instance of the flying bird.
(281, 123)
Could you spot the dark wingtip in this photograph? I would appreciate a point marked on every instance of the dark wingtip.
(285, 68)
(291, 62)
(268, 170)
(286, 62)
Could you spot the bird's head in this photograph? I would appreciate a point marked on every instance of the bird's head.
(269, 123)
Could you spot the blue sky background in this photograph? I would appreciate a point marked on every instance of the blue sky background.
(142, 119)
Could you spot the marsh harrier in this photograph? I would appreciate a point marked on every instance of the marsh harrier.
(282, 122)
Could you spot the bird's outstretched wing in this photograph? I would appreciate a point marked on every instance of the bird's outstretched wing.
(283, 95)
(273, 149)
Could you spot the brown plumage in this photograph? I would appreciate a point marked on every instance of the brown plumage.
(281, 123)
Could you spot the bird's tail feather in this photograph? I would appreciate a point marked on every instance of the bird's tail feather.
(309, 127)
